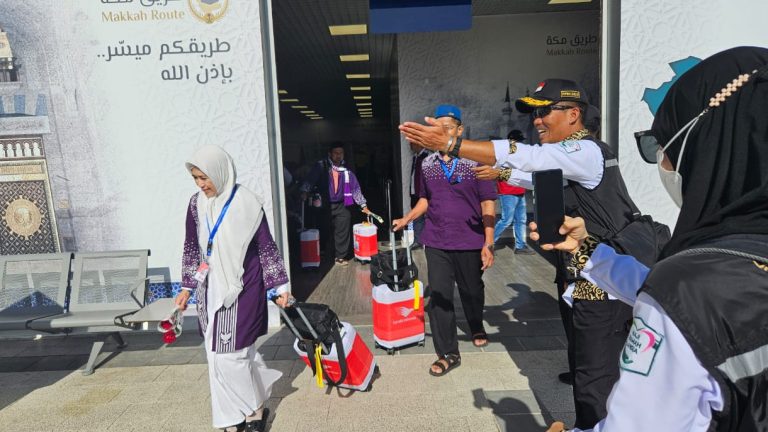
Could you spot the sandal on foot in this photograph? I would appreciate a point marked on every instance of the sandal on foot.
(451, 360)
(480, 340)
(258, 425)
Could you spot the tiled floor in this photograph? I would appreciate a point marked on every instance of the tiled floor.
(509, 385)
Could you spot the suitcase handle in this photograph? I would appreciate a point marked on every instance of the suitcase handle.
(295, 331)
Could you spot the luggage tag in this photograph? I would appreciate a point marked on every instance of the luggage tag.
(202, 272)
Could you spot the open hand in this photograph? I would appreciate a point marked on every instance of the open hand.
(485, 172)
(431, 136)
(575, 231)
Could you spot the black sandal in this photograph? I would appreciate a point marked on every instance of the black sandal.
(452, 360)
(480, 340)
(258, 425)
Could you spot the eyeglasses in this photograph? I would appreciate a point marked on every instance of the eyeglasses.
(544, 111)
(647, 145)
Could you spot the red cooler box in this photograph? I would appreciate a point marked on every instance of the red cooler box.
(398, 317)
(310, 248)
(360, 361)
(366, 244)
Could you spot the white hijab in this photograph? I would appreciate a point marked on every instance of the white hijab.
(225, 277)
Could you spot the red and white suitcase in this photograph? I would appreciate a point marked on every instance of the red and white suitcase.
(326, 361)
(360, 361)
(398, 308)
(365, 241)
(398, 316)
(310, 245)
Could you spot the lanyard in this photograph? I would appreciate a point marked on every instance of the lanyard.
(212, 232)
(449, 174)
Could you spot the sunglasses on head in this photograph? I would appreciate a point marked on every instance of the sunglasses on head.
(544, 111)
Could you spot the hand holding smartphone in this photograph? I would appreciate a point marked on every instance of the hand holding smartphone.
(549, 209)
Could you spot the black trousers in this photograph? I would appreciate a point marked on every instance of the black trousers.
(446, 268)
(341, 220)
(600, 329)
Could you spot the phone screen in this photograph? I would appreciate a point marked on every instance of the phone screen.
(549, 210)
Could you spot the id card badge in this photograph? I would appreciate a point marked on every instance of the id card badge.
(202, 272)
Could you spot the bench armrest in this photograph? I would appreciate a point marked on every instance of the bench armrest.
(141, 302)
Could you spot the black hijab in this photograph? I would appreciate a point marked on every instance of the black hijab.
(725, 162)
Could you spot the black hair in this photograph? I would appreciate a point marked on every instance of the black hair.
(335, 144)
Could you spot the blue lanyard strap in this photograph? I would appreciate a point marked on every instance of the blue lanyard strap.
(449, 174)
(212, 232)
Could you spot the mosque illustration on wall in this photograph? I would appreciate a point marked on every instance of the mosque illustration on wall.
(27, 218)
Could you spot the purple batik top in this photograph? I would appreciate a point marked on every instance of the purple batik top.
(454, 219)
(246, 319)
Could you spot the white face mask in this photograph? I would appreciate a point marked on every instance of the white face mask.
(672, 180)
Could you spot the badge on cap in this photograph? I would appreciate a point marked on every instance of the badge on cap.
(540, 87)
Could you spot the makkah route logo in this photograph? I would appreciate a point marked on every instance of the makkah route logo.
(654, 97)
(208, 11)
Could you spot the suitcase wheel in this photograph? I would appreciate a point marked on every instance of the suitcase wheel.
(421, 343)
(391, 351)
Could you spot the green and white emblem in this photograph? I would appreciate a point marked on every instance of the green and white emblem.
(640, 350)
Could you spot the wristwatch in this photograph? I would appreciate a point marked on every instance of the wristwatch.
(504, 174)
(454, 152)
(490, 247)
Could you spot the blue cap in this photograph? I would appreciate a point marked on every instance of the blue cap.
(448, 111)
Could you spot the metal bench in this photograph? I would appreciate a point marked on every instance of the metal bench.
(107, 287)
(32, 287)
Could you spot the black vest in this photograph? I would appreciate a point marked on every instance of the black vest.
(720, 304)
(607, 208)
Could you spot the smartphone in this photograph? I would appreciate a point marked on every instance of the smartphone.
(549, 209)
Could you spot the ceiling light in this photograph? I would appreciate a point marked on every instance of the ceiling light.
(343, 30)
(363, 104)
(308, 112)
(358, 76)
(361, 97)
(282, 92)
(354, 57)
(299, 106)
(289, 100)
(568, 1)
(366, 116)
(361, 88)
(315, 118)
(364, 109)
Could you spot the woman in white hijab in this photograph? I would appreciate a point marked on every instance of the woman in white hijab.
(230, 261)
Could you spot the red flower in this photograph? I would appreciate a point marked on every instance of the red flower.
(169, 337)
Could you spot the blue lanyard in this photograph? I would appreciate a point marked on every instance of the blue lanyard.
(212, 232)
(449, 174)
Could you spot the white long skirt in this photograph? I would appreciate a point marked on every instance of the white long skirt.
(240, 382)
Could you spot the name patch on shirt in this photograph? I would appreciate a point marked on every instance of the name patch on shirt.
(640, 350)
(570, 146)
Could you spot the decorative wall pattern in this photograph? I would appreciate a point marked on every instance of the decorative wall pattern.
(655, 33)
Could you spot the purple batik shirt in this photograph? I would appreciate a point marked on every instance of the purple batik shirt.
(246, 320)
(454, 219)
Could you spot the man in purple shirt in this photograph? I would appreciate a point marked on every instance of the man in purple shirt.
(339, 189)
(458, 239)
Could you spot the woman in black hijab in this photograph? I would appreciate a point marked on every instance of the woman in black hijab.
(696, 358)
